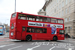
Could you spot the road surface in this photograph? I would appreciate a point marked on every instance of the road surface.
(8, 44)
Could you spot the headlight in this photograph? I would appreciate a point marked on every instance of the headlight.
(12, 27)
(11, 33)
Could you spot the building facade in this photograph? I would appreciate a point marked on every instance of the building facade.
(7, 27)
(62, 9)
(42, 12)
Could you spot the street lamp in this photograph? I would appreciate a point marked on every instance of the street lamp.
(15, 5)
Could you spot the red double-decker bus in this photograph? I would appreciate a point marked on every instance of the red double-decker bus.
(24, 26)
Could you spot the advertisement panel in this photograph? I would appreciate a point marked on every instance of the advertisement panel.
(53, 26)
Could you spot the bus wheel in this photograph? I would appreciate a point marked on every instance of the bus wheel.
(55, 38)
(46, 40)
(22, 40)
(28, 38)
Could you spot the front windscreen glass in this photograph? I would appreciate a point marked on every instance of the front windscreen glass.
(61, 31)
(14, 15)
(1, 28)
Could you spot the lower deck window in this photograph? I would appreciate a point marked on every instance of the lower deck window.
(39, 30)
(36, 30)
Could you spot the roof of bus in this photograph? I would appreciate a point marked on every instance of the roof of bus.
(40, 15)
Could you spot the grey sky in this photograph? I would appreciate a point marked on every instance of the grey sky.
(27, 6)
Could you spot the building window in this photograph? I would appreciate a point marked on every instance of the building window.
(69, 29)
(45, 9)
(69, 19)
(62, 12)
(69, 9)
(59, 6)
(65, 30)
(69, 1)
(54, 20)
(66, 20)
(57, 0)
(66, 10)
(60, 21)
(66, 1)
(55, 10)
(62, 4)
(59, 14)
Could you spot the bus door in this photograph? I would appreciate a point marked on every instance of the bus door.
(23, 33)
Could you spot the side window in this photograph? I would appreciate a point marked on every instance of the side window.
(39, 18)
(44, 30)
(28, 29)
(46, 19)
(36, 30)
(22, 16)
(39, 30)
(23, 28)
(30, 17)
(31, 30)
(60, 21)
(53, 20)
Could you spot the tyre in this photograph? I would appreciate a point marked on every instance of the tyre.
(55, 38)
(22, 40)
(28, 38)
(46, 40)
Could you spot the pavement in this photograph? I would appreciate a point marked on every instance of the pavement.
(9, 44)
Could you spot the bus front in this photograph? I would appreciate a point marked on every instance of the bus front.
(1, 30)
(12, 34)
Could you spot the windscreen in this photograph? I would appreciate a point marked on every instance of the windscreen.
(1, 28)
(61, 31)
(13, 15)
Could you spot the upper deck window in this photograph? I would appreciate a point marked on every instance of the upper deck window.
(60, 21)
(53, 20)
(14, 15)
(39, 18)
(46, 19)
(30, 17)
(22, 16)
